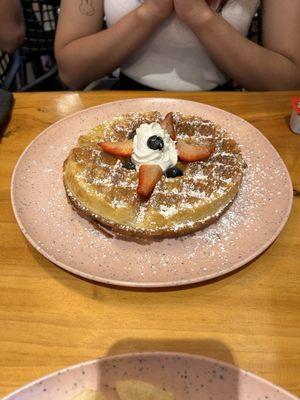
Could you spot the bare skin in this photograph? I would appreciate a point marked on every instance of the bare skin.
(12, 31)
(85, 52)
(275, 66)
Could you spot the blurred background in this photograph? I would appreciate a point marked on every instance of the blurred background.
(32, 67)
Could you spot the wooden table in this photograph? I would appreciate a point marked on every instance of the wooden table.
(50, 319)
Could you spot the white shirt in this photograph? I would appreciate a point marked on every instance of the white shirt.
(173, 58)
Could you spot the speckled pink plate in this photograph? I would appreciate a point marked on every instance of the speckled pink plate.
(188, 377)
(248, 227)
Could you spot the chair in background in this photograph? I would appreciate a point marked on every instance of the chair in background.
(9, 67)
(38, 68)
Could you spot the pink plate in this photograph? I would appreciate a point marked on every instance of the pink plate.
(248, 227)
(186, 376)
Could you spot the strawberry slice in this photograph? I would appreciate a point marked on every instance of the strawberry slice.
(121, 149)
(188, 152)
(149, 175)
(168, 124)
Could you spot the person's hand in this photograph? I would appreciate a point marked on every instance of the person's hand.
(191, 11)
(160, 9)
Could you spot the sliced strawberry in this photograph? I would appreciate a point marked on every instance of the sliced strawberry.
(188, 152)
(121, 149)
(149, 175)
(168, 124)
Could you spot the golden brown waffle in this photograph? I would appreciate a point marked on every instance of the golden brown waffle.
(102, 190)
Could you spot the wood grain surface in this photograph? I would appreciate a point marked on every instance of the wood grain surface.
(50, 319)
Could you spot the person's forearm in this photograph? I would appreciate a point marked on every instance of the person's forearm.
(88, 58)
(250, 65)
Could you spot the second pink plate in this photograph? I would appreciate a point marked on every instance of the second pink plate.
(187, 376)
(248, 227)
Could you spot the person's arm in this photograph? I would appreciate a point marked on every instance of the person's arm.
(275, 66)
(84, 52)
(12, 31)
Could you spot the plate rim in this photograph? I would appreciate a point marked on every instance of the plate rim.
(136, 354)
(151, 284)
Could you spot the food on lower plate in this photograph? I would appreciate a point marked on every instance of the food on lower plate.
(146, 175)
(89, 395)
(130, 389)
(139, 390)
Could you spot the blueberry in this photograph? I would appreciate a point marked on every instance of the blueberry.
(173, 172)
(129, 165)
(155, 142)
(132, 134)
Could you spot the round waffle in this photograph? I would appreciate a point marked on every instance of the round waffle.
(102, 190)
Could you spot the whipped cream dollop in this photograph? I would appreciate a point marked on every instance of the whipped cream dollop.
(142, 154)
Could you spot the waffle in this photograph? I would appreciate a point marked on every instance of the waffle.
(103, 191)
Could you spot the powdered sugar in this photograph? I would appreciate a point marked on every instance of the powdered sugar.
(202, 184)
(245, 229)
